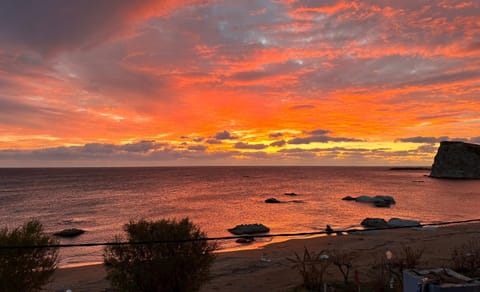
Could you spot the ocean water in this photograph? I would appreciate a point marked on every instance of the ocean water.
(102, 200)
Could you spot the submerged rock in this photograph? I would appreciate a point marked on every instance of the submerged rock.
(291, 194)
(378, 201)
(297, 201)
(456, 160)
(381, 204)
(397, 222)
(249, 229)
(392, 223)
(374, 223)
(383, 201)
(245, 240)
(272, 201)
(364, 199)
(387, 199)
(71, 232)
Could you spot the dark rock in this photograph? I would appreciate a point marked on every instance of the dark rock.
(297, 201)
(349, 198)
(381, 204)
(378, 201)
(393, 222)
(249, 229)
(388, 199)
(374, 223)
(245, 240)
(72, 232)
(456, 160)
(397, 222)
(291, 194)
(272, 201)
(365, 199)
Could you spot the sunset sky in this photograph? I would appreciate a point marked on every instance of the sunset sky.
(280, 82)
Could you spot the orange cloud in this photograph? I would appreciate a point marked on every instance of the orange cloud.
(179, 73)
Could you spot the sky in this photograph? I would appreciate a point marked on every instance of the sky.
(254, 82)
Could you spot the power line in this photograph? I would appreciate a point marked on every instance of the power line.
(231, 237)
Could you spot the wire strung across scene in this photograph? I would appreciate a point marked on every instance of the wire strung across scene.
(230, 237)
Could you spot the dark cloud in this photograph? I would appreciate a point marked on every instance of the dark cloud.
(269, 70)
(275, 135)
(53, 25)
(422, 139)
(444, 77)
(431, 140)
(96, 148)
(142, 146)
(319, 132)
(225, 135)
(475, 140)
(428, 148)
(50, 25)
(278, 143)
(197, 147)
(32, 115)
(242, 145)
(213, 141)
(321, 139)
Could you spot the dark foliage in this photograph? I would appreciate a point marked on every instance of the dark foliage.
(466, 258)
(26, 269)
(173, 266)
(311, 267)
(343, 260)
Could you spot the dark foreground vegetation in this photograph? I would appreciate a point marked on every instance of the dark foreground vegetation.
(26, 269)
(386, 271)
(181, 264)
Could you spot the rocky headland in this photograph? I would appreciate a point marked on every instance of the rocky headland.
(457, 160)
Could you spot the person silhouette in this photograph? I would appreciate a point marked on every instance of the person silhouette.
(329, 229)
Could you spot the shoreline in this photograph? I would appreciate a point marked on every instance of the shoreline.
(267, 268)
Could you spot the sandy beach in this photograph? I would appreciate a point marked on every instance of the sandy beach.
(267, 269)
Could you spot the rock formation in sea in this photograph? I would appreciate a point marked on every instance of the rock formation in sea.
(392, 223)
(377, 201)
(249, 229)
(272, 201)
(72, 232)
(374, 223)
(456, 160)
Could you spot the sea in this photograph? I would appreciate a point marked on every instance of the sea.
(102, 200)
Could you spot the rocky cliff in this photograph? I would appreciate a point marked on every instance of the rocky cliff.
(457, 160)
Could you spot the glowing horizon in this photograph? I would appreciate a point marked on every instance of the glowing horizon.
(289, 82)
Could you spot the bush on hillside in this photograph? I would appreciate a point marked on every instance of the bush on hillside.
(26, 269)
(182, 265)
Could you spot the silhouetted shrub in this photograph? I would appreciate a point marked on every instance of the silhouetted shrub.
(466, 258)
(311, 267)
(343, 260)
(172, 266)
(26, 269)
(410, 258)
